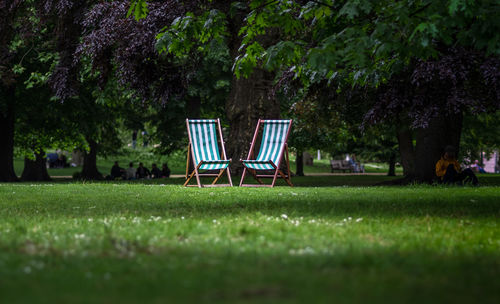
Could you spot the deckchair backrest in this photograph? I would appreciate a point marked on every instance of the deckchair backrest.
(203, 134)
(274, 137)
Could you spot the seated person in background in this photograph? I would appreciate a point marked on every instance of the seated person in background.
(142, 172)
(130, 172)
(155, 172)
(165, 170)
(116, 171)
(52, 159)
(448, 169)
(477, 167)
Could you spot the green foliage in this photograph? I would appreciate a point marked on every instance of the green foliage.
(481, 133)
(192, 33)
(139, 8)
(364, 41)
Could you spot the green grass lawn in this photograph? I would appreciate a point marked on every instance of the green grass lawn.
(157, 242)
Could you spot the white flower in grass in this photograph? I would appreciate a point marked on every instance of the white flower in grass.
(284, 216)
(90, 219)
(182, 217)
(359, 220)
(214, 221)
(349, 218)
(293, 193)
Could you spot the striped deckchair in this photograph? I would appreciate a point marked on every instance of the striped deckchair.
(203, 150)
(273, 149)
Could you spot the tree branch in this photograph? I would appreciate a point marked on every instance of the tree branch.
(324, 4)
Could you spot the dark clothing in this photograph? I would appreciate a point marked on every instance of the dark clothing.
(52, 158)
(156, 173)
(116, 171)
(142, 172)
(452, 176)
(165, 172)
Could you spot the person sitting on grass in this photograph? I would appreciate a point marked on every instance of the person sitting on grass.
(165, 170)
(448, 169)
(155, 171)
(117, 172)
(142, 172)
(130, 173)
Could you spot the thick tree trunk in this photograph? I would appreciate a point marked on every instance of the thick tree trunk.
(90, 170)
(35, 170)
(392, 165)
(406, 151)
(249, 98)
(299, 163)
(419, 161)
(7, 121)
(248, 101)
(193, 107)
(430, 142)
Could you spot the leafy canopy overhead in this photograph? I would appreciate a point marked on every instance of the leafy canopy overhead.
(363, 41)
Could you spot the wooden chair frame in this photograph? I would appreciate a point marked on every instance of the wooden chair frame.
(282, 154)
(196, 173)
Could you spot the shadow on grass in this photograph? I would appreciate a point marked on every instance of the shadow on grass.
(298, 181)
(222, 274)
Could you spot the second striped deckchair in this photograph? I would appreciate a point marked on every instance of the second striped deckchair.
(203, 150)
(273, 149)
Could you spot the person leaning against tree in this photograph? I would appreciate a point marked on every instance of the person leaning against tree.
(449, 172)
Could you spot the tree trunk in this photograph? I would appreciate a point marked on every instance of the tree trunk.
(193, 107)
(248, 101)
(89, 170)
(419, 161)
(249, 98)
(35, 170)
(406, 151)
(392, 165)
(430, 142)
(299, 163)
(7, 123)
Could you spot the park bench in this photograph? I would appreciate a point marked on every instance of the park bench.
(341, 165)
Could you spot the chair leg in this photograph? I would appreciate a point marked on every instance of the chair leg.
(198, 175)
(188, 179)
(229, 176)
(287, 180)
(243, 176)
(275, 176)
(218, 176)
(187, 160)
(195, 172)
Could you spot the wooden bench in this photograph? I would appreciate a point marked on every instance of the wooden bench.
(341, 165)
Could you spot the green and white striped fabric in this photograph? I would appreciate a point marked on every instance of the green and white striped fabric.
(273, 141)
(204, 144)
